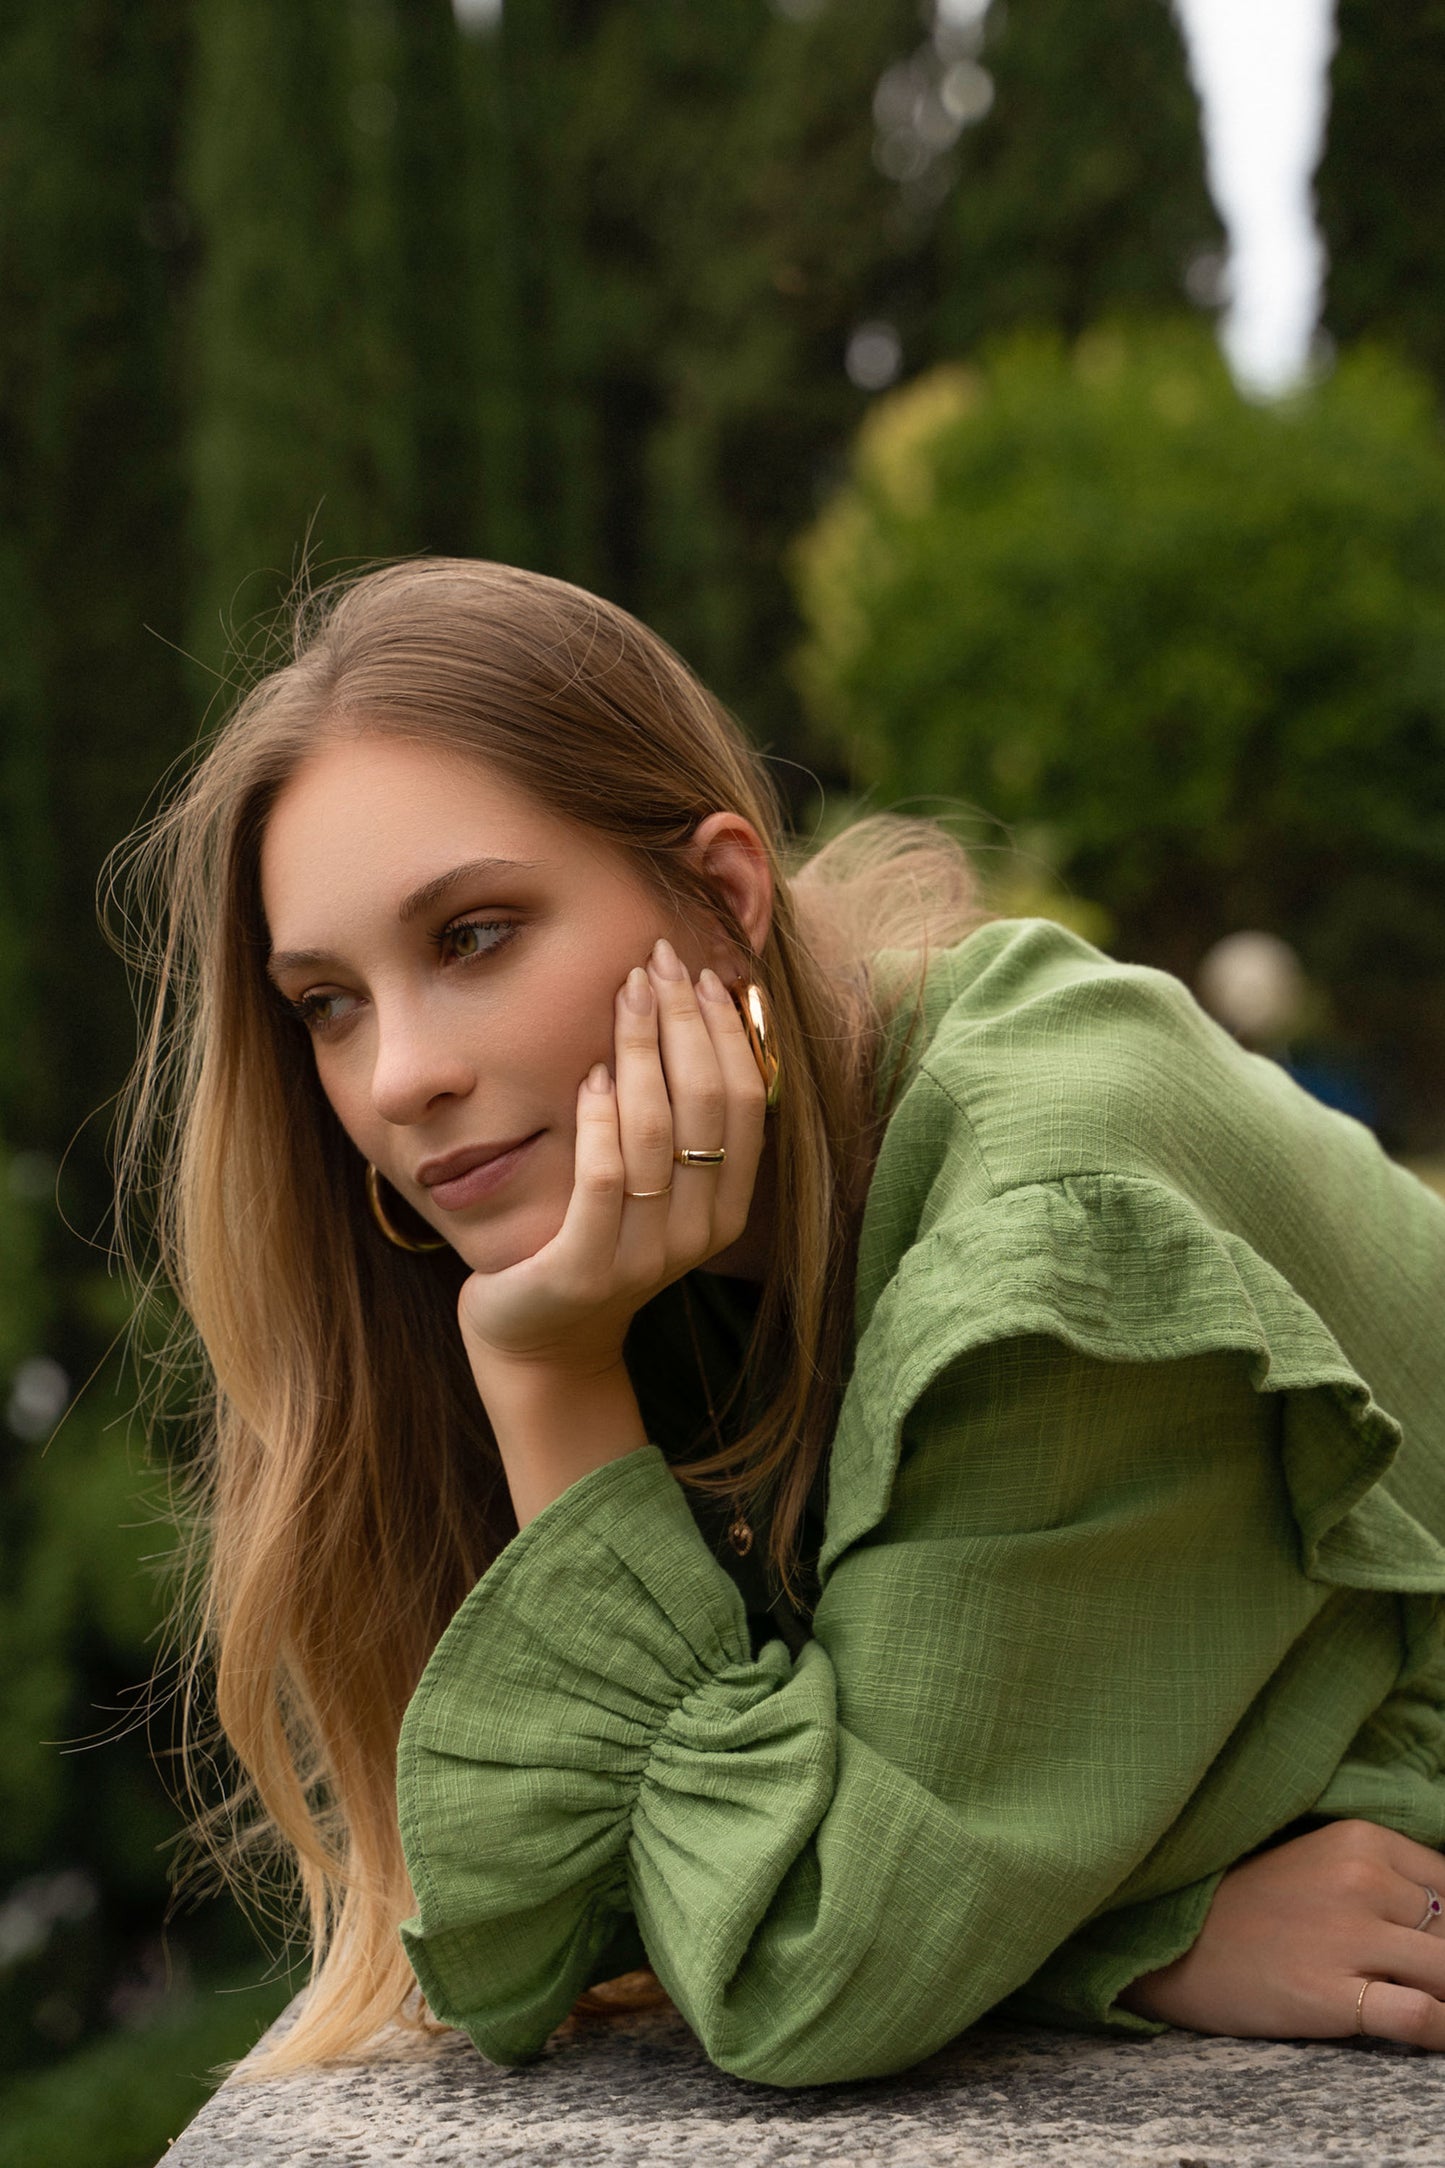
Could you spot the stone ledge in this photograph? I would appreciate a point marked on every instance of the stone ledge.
(639, 2093)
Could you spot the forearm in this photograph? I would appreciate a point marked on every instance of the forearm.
(553, 1426)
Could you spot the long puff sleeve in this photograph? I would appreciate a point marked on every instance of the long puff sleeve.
(1073, 1666)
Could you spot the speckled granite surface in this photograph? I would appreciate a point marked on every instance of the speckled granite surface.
(640, 2093)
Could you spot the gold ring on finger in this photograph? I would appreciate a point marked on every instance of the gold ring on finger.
(701, 1159)
(649, 1192)
(1360, 2005)
(1432, 1908)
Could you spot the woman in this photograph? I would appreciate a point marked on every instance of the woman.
(967, 1535)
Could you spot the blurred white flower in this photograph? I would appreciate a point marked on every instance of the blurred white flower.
(39, 1394)
(874, 356)
(38, 1904)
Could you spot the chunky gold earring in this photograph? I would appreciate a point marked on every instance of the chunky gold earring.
(378, 1213)
(752, 1006)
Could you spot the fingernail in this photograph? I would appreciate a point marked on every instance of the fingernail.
(710, 986)
(599, 1077)
(665, 961)
(637, 993)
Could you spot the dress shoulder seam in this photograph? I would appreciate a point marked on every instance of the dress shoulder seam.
(1087, 1170)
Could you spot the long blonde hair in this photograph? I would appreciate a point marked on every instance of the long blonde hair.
(328, 1554)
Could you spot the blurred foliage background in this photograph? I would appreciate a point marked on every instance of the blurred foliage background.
(865, 351)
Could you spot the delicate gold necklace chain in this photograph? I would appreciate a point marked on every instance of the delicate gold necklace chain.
(740, 1534)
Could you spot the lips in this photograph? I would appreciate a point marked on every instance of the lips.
(433, 1171)
(465, 1177)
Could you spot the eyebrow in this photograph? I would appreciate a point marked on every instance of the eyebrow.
(410, 907)
(475, 869)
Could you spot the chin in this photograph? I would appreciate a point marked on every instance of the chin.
(496, 1247)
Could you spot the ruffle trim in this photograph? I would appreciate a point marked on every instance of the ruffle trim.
(1127, 1270)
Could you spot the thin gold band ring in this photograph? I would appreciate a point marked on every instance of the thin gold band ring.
(1360, 2005)
(649, 1192)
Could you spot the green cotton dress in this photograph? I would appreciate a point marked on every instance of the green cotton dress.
(1129, 1562)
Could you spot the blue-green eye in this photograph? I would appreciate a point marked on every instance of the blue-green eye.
(467, 938)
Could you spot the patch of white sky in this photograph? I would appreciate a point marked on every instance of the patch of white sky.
(1261, 70)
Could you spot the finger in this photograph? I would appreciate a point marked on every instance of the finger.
(1391, 2012)
(1406, 1958)
(697, 1099)
(1413, 1904)
(745, 1104)
(1391, 1876)
(586, 1242)
(643, 1113)
(1398, 1878)
(1418, 1863)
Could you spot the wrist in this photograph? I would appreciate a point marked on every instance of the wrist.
(555, 1423)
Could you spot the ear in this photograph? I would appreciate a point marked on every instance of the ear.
(729, 853)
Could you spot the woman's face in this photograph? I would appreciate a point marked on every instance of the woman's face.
(455, 951)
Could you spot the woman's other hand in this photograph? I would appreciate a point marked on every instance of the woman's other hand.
(1295, 1933)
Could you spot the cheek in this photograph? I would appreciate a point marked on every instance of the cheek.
(346, 1094)
(562, 1035)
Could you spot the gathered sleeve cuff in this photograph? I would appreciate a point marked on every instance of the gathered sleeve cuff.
(598, 1667)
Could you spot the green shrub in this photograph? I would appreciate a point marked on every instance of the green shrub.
(1196, 646)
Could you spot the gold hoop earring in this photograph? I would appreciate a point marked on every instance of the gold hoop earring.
(751, 1004)
(378, 1213)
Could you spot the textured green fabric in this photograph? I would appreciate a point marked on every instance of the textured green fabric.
(1132, 1547)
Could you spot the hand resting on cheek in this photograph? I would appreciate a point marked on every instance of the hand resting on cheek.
(685, 1078)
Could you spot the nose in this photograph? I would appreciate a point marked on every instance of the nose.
(417, 1063)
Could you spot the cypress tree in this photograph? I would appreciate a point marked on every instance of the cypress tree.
(1381, 185)
(755, 398)
(299, 429)
(687, 223)
(543, 374)
(507, 337)
(652, 107)
(1080, 188)
(554, 43)
(91, 238)
(27, 853)
(436, 211)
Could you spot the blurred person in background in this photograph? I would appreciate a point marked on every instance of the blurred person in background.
(1255, 984)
